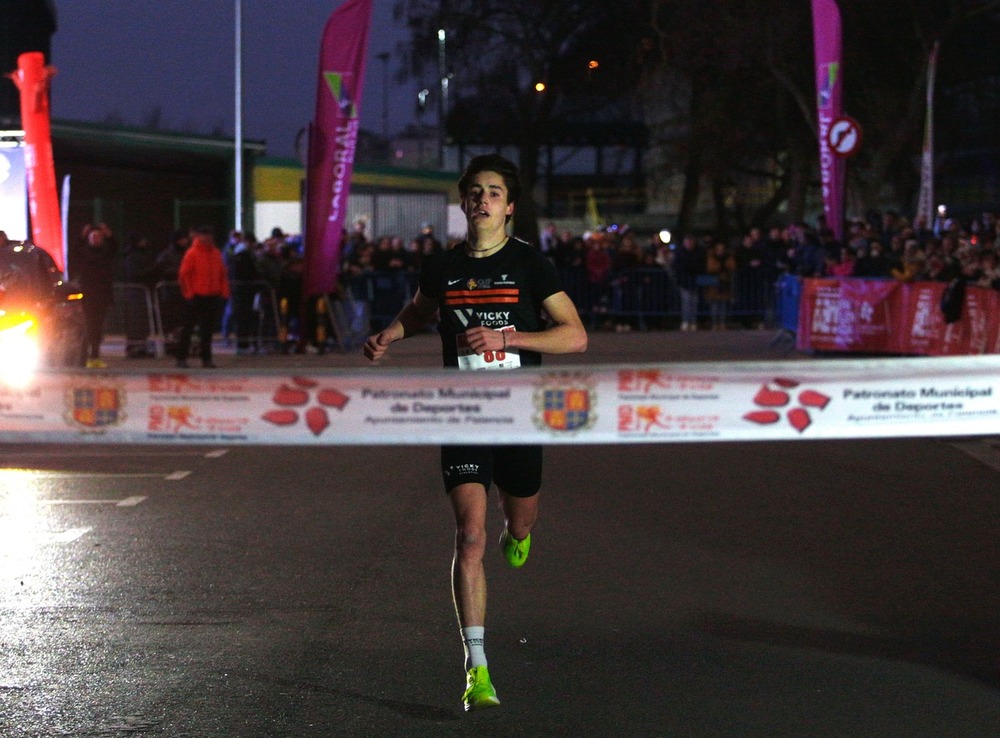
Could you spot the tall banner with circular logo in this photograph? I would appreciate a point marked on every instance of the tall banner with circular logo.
(32, 80)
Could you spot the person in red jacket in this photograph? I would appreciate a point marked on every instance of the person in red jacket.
(204, 286)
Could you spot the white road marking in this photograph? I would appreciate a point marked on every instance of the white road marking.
(97, 454)
(131, 501)
(69, 535)
(127, 502)
(173, 476)
(985, 450)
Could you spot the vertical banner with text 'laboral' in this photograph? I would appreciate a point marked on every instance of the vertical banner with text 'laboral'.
(333, 136)
(829, 107)
(32, 80)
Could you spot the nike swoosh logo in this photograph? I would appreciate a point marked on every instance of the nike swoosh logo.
(453, 281)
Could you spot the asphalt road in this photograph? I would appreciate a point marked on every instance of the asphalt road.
(735, 589)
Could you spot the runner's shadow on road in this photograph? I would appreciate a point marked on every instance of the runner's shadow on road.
(406, 709)
(965, 658)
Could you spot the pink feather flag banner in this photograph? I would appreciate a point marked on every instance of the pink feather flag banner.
(333, 137)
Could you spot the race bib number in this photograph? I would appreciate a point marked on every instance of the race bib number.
(469, 359)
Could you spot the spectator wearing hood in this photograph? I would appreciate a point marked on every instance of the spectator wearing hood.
(204, 286)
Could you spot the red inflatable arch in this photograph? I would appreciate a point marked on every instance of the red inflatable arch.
(32, 80)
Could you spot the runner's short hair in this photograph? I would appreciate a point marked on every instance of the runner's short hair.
(493, 163)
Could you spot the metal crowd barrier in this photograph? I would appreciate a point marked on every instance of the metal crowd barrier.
(648, 297)
(150, 318)
(651, 299)
(385, 292)
(133, 314)
(269, 322)
(253, 309)
(349, 320)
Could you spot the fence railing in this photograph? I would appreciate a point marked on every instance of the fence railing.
(385, 293)
(643, 298)
(150, 316)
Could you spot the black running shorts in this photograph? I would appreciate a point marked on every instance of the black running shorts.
(517, 470)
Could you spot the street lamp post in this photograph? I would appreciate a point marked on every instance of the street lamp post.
(238, 132)
(443, 97)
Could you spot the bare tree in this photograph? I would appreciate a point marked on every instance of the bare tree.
(729, 123)
(499, 52)
(739, 84)
(727, 88)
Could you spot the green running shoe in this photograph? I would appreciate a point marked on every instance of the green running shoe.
(515, 551)
(479, 693)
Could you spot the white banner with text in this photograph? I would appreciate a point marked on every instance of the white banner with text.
(696, 402)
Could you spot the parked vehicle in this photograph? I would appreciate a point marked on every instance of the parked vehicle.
(41, 316)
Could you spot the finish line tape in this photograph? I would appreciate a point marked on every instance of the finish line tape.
(668, 403)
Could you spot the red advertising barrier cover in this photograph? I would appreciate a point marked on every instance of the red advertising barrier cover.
(884, 316)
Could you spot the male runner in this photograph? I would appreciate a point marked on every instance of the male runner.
(499, 306)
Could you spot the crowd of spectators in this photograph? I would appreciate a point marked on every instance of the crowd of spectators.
(362, 255)
(711, 282)
(914, 252)
(724, 282)
(262, 275)
(736, 277)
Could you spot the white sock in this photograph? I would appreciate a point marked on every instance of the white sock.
(472, 638)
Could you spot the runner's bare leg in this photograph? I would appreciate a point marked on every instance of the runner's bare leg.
(468, 577)
(519, 513)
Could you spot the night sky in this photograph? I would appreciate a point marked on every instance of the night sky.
(127, 57)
